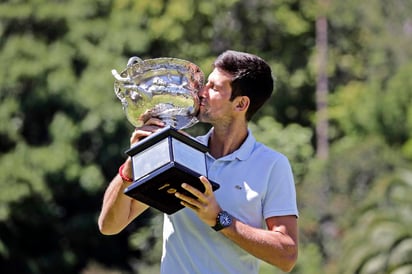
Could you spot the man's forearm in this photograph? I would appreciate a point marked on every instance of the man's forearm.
(274, 247)
(115, 209)
(118, 210)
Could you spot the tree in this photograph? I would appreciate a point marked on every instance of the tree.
(333, 191)
(381, 238)
(322, 142)
(56, 121)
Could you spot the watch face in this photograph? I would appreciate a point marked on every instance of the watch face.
(225, 219)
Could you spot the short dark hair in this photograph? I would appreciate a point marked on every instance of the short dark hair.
(252, 77)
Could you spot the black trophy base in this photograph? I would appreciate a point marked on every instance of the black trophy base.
(161, 163)
(158, 188)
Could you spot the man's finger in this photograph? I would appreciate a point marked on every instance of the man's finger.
(206, 184)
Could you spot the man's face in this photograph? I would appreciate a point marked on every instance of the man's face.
(215, 104)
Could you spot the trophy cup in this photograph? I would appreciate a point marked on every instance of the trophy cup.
(165, 88)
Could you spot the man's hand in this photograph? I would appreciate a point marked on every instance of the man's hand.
(204, 205)
(150, 126)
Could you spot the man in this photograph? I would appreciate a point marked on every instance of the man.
(253, 215)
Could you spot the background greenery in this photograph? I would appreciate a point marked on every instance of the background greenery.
(63, 132)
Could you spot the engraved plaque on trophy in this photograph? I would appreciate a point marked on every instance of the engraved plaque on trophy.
(164, 88)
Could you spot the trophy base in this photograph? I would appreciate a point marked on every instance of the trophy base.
(159, 187)
(161, 163)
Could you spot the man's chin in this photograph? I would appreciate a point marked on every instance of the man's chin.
(202, 119)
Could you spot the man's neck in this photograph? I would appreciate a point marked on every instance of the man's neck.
(225, 140)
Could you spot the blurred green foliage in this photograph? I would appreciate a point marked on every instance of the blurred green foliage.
(63, 132)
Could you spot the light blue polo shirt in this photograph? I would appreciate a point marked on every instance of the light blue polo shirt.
(256, 183)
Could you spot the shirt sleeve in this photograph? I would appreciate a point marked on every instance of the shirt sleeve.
(280, 198)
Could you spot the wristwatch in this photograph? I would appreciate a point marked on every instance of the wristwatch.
(223, 220)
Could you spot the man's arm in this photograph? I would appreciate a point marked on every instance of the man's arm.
(118, 210)
(278, 245)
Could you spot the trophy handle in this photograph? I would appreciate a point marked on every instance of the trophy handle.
(133, 60)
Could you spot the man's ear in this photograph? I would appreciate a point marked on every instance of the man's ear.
(242, 103)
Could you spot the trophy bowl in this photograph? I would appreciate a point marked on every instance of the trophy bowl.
(164, 88)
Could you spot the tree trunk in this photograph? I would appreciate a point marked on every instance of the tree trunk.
(322, 148)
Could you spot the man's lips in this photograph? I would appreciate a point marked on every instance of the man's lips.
(202, 106)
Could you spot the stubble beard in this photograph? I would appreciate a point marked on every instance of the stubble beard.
(204, 115)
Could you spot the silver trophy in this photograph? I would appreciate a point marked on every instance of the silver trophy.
(164, 88)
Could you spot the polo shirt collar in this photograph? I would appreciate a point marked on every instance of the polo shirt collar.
(242, 153)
